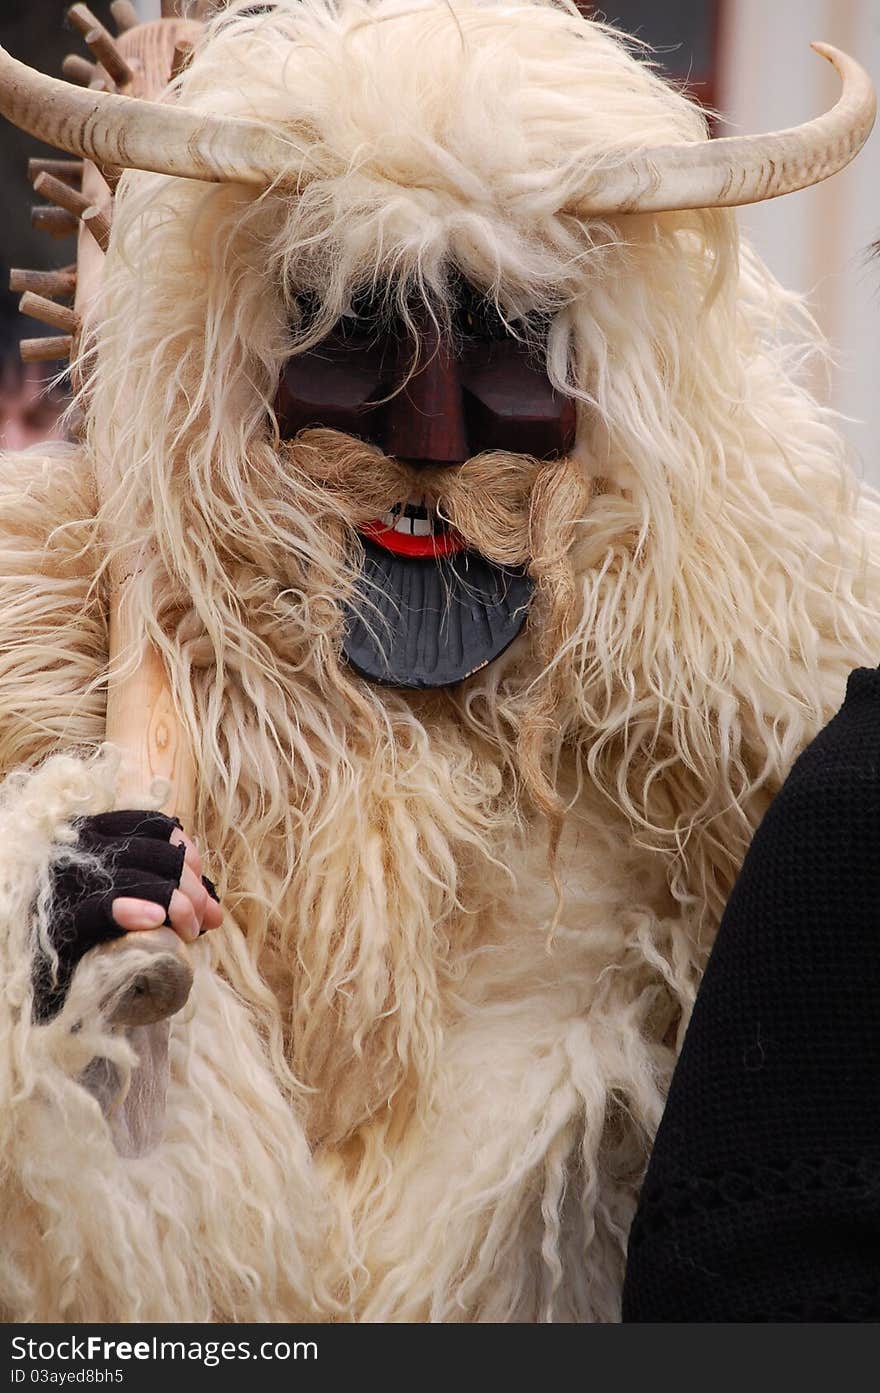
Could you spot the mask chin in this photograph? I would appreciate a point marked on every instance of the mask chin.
(421, 622)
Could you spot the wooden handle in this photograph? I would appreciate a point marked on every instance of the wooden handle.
(141, 717)
(142, 722)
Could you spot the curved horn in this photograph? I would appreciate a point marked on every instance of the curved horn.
(135, 134)
(743, 169)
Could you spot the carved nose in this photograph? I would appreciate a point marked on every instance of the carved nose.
(424, 420)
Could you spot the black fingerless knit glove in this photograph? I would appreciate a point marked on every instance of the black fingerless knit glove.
(135, 858)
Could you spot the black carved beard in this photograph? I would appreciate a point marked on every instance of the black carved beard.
(430, 621)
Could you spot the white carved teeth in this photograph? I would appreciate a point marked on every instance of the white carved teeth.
(414, 518)
(413, 527)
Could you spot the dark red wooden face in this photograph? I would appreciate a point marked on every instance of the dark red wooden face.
(482, 389)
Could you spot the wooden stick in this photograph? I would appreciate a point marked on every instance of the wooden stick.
(69, 170)
(125, 16)
(43, 282)
(58, 316)
(47, 186)
(99, 225)
(142, 720)
(46, 350)
(79, 70)
(56, 221)
(103, 46)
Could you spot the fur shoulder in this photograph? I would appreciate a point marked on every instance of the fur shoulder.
(53, 639)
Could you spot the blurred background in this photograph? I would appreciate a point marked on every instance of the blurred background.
(751, 61)
(748, 59)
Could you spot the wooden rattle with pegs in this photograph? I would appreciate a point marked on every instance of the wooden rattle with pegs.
(137, 62)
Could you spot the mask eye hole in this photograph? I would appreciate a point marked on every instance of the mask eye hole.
(363, 323)
(356, 331)
(478, 319)
(366, 320)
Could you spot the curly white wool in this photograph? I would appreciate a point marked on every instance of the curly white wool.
(478, 1094)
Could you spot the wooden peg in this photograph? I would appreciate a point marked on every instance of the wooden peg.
(46, 350)
(183, 51)
(80, 17)
(47, 186)
(99, 225)
(101, 42)
(48, 312)
(125, 16)
(56, 221)
(69, 170)
(79, 70)
(104, 47)
(43, 282)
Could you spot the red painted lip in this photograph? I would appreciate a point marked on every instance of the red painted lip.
(404, 544)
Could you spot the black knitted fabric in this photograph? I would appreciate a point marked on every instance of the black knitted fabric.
(762, 1198)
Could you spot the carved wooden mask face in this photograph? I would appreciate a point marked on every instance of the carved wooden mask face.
(481, 387)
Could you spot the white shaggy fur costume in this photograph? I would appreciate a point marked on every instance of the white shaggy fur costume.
(419, 1077)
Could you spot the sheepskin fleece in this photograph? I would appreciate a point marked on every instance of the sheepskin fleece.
(424, 1059)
